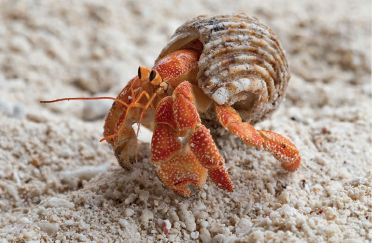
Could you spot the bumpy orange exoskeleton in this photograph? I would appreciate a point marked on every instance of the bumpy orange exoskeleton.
(169, 101)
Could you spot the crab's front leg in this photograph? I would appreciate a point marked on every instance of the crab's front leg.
(121, 118)
(280, 147)
(178, 166)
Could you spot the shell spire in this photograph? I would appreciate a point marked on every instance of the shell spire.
(242, 62)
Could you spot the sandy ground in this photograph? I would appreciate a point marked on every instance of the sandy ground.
(58, 183)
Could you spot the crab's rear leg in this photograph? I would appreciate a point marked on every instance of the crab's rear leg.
(281, 148)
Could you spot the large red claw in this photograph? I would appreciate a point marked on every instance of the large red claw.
(282, 149)
(182, 170)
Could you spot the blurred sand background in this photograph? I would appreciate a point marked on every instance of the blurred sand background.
(59, 184)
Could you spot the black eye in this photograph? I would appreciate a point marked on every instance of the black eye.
(139, 72)
(152, 75)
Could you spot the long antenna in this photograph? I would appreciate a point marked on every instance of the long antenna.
(81, 98)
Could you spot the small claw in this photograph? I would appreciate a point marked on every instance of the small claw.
(282, 149)
(292, 166)
(220, 176)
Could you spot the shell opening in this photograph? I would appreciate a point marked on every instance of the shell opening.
(176, 43)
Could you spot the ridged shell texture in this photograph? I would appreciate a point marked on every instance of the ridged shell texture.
(242, 62)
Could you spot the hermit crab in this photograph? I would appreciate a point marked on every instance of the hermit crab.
(226, 70)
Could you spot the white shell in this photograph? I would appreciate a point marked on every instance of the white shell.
(242, 63)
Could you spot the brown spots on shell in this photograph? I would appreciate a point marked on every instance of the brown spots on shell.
(231, 86)
(226, 39)
(259, 60)
(220, 52)
(208, 85)
(217, 26)
(213, 22)
(252, 33)
(232, 70)
(256, 51)
(253, 49)
(203, 77)
(274, 40)
(228, 61)
(259, 43)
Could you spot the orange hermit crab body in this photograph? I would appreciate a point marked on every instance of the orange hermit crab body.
(225, 70)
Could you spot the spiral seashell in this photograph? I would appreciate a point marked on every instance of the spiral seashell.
(242, 62)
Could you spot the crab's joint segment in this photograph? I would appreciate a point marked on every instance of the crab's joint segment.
(281, 148)
(204, 148)
(202, 145)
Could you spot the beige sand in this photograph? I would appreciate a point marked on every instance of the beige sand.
(58, 183)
